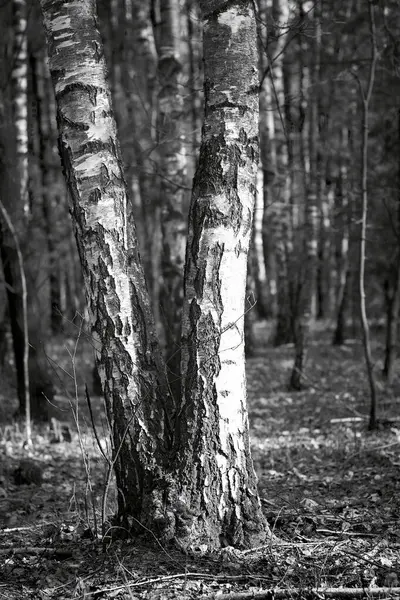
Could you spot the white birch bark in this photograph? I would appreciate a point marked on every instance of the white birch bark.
(128, 357)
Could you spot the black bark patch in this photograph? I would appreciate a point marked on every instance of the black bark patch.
(75, 209)
(93, 147)
(75, 125)
(104, 175)
(235, 210)
(127, 329)
(217, 252)
(248, 222)
(191, 379)
(95, 196)
(98, 51)
(198, 282)
(208, 346)
(199, 211)
(58, 74)
(212, 9)
(139, 320)
(208, 176)
(242, 108)
(210, 181)
(118, 325)
(122, 360)
(77, 86)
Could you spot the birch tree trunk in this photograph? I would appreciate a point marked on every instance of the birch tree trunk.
(49, 162)
(173, 177)
(343, 263)
(138, 135)
(366, 98)
(307, 285)
(127, 353)
(281, 184)
(195, 74)
(217, 484)
(8, 191)
(203, 494)
(140, 81)
(19, 78)
(267, 159)
(16, 204)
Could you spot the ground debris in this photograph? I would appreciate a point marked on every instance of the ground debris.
(329, 489)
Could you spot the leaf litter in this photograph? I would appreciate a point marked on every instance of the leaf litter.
(329, 489)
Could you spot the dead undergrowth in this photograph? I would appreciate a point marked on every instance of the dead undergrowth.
(329, 488)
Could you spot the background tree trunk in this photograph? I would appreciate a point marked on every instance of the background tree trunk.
(173, 178)
(342, 248)
(306, 309)
(366, 98)
(14, 196)
(279, 203)
(394, 299)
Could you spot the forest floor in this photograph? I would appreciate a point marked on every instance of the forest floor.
(329, 488)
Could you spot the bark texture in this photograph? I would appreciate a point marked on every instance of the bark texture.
(217, 489)
(128, 356)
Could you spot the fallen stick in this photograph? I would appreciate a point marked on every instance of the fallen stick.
(12, 529)
(348, 420)
(270, 594)
(276, 594)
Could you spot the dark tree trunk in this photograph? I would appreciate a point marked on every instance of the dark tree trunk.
(339, 336)
(393, 300)
(48, 165)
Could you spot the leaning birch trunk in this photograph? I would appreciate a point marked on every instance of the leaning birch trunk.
(216, 486)
(128, 357)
